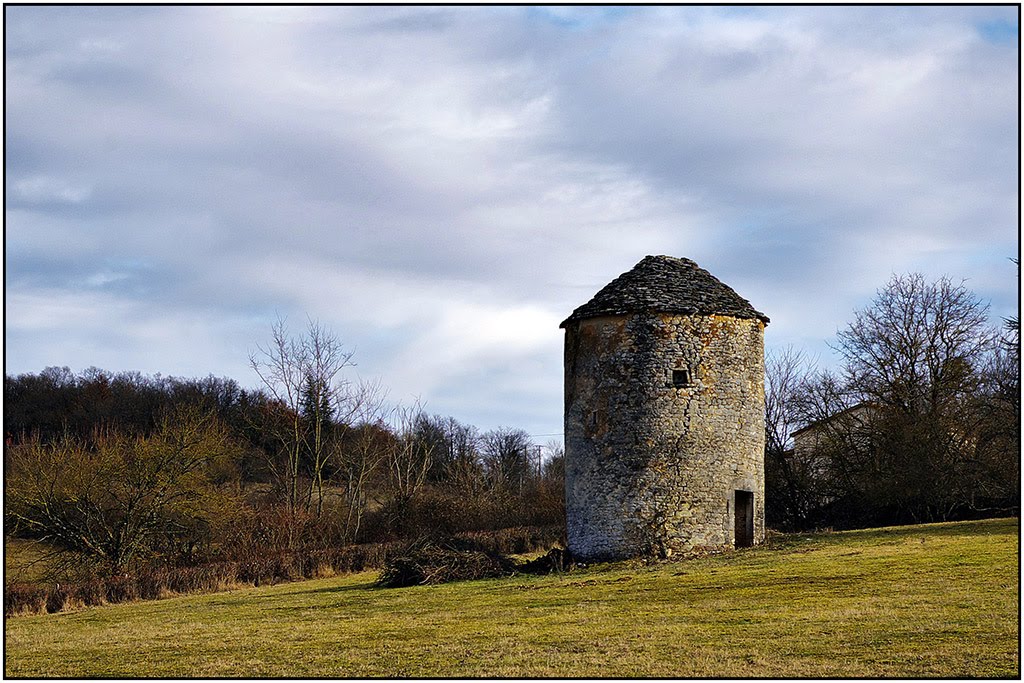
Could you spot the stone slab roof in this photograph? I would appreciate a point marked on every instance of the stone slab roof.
(666, 284)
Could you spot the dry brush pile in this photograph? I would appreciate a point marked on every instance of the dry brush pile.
(432, 561)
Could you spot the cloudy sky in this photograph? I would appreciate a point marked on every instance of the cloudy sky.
(442, 186)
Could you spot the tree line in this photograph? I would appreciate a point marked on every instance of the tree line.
(117, 471)
(919, 423)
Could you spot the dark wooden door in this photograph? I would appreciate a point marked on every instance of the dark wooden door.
(744, 533)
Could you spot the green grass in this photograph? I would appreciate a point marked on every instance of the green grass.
(937, 600)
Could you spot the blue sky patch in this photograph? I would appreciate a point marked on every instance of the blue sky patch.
(1001, 31)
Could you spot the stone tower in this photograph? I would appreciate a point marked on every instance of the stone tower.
(664, 415)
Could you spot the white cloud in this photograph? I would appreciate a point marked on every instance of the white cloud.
(467, 338)
(42, 189)
(443, 185)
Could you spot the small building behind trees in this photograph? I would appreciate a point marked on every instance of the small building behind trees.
(919, 423)
(813, 442)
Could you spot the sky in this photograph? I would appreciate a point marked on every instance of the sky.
(441, 187)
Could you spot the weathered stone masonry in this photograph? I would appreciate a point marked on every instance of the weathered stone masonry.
(664, 415)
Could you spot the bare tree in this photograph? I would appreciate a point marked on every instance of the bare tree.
(303, 377)
(408, 460)
(999, 412)
(915, 357)
(918, 347)
(360, 451)
(464, 469)
(789, 482)
(507, 458)
(550, 498)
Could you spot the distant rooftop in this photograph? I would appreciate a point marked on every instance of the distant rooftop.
(666, 284)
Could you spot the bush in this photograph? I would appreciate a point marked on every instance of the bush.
(23, 598)
(71, 492)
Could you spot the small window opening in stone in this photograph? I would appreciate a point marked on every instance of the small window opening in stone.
(681, 377)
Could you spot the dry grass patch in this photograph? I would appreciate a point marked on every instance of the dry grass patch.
(936, 600)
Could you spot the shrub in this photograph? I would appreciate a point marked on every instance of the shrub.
(72, 492)
(23, 598)
(59, 599)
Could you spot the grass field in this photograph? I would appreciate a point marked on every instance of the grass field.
(937, 600)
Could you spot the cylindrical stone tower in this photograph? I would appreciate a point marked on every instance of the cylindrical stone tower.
(664, 415)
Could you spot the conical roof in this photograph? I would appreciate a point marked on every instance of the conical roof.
(666, 284)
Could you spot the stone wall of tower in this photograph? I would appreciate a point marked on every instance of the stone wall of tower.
(652, 468)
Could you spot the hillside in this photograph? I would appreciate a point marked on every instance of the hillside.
(934, 600)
